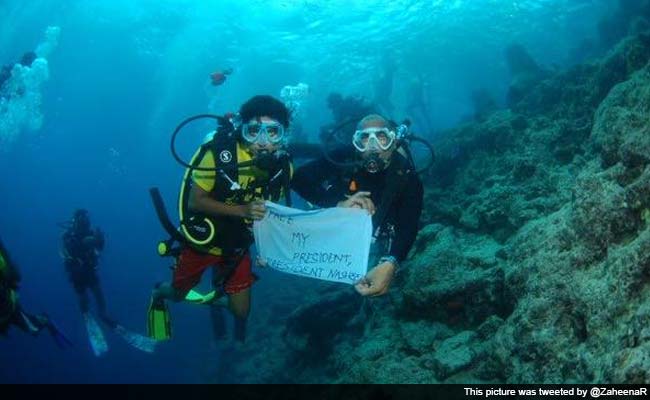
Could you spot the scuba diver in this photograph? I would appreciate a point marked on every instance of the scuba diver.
(80, 252)
(11, 311)
(378, 175)
(240, 166)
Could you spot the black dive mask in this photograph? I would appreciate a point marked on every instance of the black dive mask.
(373, 163)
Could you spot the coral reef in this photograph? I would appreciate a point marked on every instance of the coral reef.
(533, 263)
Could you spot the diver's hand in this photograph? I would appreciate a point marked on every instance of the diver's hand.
(377, 280)
(359, 200)
(255, 210)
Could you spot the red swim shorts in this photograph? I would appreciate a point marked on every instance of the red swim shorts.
(191, 264)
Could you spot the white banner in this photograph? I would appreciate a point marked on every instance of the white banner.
(331, 244)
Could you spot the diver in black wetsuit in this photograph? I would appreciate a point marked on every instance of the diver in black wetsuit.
(384, 182)
(81, 247)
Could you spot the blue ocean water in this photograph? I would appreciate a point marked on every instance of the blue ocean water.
(125, 73)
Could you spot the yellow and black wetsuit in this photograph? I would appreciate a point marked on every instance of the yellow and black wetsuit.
(226, 248)
(10, 310)
(250, 180)
(11, 313)
(230, 185)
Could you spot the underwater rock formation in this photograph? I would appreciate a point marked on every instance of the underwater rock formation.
(533, 262)
(525, 72)
(484, 104)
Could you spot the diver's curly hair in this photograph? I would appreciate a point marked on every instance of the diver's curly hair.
(265, 106)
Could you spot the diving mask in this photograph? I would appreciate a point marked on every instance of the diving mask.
(373, 139)
(263, 132)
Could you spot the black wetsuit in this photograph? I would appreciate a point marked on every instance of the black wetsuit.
(325, 184)
(81, 260)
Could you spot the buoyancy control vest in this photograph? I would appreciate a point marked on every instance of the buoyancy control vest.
(224, 234)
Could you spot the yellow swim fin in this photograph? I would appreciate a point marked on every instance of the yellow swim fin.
(159, 325)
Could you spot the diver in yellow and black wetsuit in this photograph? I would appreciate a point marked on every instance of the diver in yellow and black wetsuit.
(12, 313)
(235, 172)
